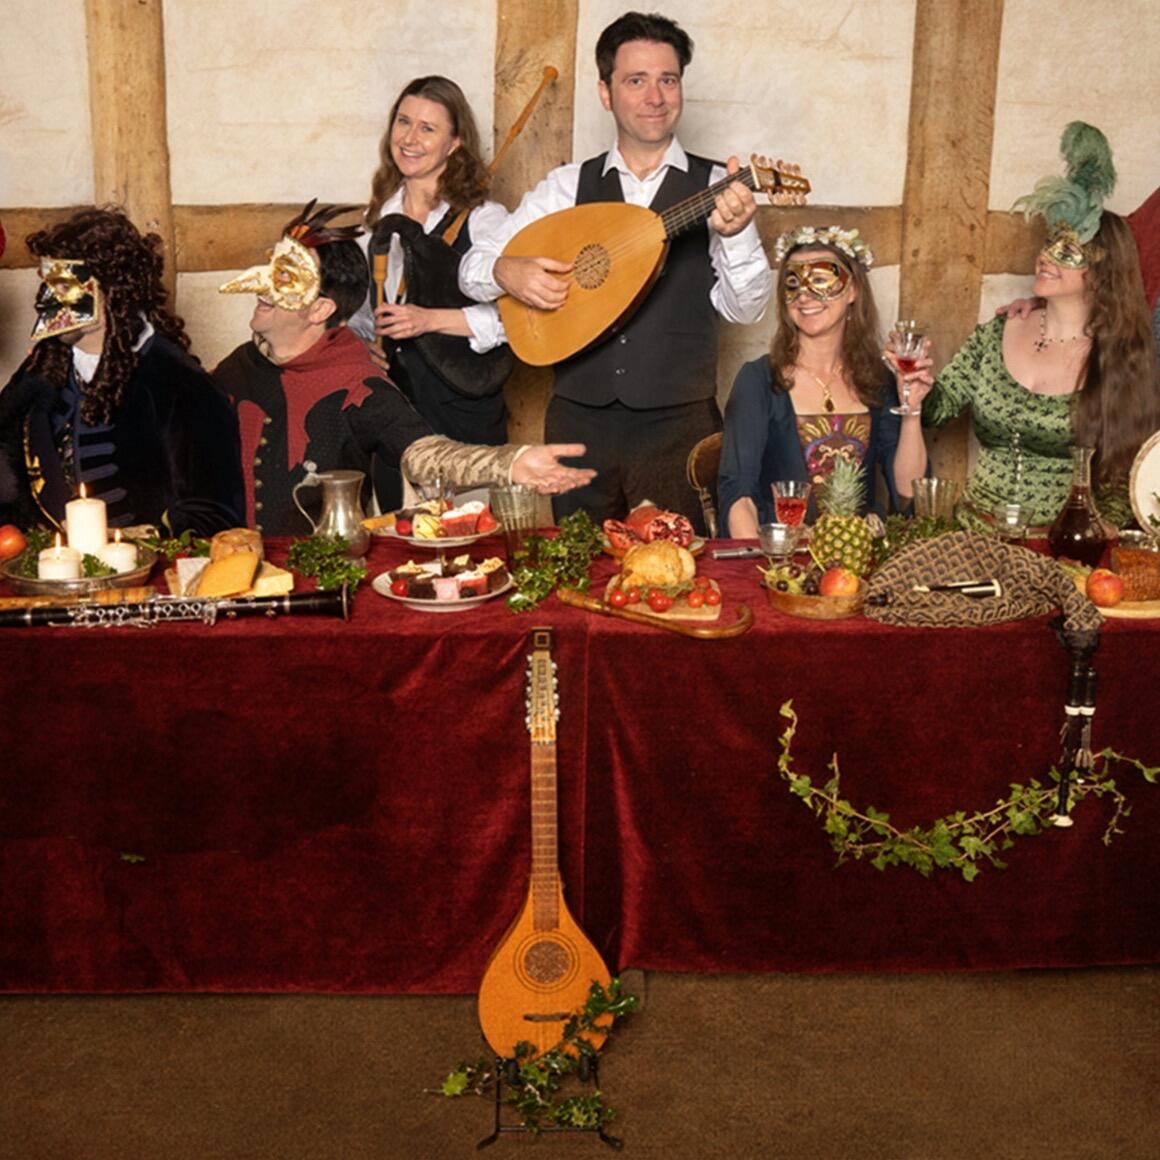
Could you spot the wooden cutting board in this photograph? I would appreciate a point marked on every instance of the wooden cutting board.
(679, 611)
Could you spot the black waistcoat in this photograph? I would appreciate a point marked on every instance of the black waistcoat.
(667, 352)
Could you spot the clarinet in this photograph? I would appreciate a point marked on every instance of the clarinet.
(163, 609)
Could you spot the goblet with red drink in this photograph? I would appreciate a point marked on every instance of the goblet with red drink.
(791, 497)
(908, 346)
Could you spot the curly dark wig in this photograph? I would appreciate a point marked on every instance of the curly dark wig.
(128, 265)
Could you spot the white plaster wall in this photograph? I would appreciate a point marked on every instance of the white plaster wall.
(824, 84)
(1064, 62)
(17, 293)
(281, 102)
(45, 129)
(216, 323)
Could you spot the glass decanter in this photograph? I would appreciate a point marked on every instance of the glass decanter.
(1078, 532)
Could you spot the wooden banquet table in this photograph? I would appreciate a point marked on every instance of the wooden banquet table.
(313, 805)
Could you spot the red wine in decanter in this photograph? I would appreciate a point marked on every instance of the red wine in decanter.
(540, 974)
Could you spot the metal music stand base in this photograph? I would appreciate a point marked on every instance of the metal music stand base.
(501, 1128)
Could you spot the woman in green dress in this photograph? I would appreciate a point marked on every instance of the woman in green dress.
(1080, 370)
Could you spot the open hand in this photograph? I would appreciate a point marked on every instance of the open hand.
(734, 206)
(539, 467)
(1020, 308)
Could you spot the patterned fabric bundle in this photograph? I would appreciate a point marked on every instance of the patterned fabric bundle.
(1032, 585)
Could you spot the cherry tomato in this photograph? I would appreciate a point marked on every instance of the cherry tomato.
(403, 527)
(695, 598)
(712, 597)
(659, 601)
(634, 595)
(399, 587)
(618, 598)
(702, 583)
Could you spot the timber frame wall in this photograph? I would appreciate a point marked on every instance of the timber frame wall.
(943, 237)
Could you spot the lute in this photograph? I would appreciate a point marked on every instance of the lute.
(540, 974)
(617, 252)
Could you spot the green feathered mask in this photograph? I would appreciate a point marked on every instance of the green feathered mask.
(1072, 205)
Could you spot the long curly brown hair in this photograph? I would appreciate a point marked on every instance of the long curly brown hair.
(464, 183)
(128, 266)
(861, 350)
(1118, 405)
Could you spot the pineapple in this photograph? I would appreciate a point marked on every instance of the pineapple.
(840, 533)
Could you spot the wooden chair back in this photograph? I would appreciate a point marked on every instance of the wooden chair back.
(701, 468)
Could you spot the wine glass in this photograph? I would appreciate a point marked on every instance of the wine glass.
(790, 499)
(908, 347)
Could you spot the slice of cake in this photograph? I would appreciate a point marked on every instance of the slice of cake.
(461, 521)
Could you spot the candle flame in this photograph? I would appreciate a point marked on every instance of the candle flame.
(59, 545)
(82, 493)
(117, 536)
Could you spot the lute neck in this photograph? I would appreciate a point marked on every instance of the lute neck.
(693, 210)
(545, 857)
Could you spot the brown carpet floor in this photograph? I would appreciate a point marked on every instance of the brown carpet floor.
(1060, 1065)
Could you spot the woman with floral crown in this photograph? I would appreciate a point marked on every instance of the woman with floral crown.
(821, 394)
(1078, 370)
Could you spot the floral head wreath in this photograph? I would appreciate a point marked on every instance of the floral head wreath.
(847, 242)
(1073, 205)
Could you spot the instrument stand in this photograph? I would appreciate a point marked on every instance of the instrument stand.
(591, 1079)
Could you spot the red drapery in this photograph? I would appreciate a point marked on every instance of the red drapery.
(308, 805)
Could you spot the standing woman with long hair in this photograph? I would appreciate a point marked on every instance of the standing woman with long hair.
(1079, 370)
(435, 341)
(822, 393)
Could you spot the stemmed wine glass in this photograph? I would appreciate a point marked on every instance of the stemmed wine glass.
(790, 499)
(908, 347)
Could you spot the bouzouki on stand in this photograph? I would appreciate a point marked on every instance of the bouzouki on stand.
(539, 976)
(616, 251)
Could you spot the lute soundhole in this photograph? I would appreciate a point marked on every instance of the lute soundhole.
(546, 962)
(591, 266)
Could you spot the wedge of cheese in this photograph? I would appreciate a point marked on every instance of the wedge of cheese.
(272, 581)
(230, 576)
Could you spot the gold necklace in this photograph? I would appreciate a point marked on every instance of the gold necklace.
(1043, 342)
(827, 394)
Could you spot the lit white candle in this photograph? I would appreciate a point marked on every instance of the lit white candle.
(86, 523)
(118, 554)
(59, 563)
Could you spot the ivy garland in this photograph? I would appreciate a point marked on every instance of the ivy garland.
(962, 841)
(534, 1081)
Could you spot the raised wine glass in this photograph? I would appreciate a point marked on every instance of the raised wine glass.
(908, 345)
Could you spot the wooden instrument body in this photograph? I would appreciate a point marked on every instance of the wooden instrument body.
(539, 976)
(537, 979)
(617, 252)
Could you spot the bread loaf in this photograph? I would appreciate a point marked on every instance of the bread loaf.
(235, 540)
(1139, 568)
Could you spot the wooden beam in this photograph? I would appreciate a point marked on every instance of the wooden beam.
(948, 169)
(126, 53)
(529, 35)
(19, 222)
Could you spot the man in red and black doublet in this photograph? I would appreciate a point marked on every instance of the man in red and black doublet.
(328, 406)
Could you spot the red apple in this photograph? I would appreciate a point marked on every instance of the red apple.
(838, 582)
(12, 542)
(1104, 589)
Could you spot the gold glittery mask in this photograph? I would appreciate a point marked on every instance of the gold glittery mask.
(67, 299)
(822, 278)
(1065, 249)
(289, 280)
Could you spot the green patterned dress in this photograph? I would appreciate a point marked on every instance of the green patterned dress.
(978, 378)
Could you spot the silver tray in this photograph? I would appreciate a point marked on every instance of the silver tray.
(34, 586)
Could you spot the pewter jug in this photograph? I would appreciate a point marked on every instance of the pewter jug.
(342, 512)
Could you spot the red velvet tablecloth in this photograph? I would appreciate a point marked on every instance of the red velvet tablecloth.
(313, 805)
